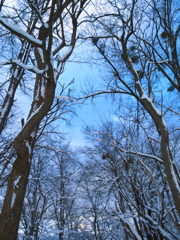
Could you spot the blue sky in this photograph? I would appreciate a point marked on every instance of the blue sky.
(81, 73)
(87, 113)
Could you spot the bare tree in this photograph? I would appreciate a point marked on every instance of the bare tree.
(55, 26)
(138, 43)
(36, 202)
(63, 186)
(135, 191)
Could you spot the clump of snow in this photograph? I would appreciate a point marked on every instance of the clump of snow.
(16, 182)
(67, 99)
(15, 186)
(29, 147)
(13, 199)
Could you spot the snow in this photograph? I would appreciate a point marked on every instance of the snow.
(68, 52)
(28, 67)
(43, 89)
(15, 74)
(35, 112)
(165, 235)
(175, 179)
(20, 64)
(3, 110)
(143, 155)
(15, 186)
(33, 134)
(57, 70)
(60, 60)
(36, 98)
(10, 92)
(132, 229)
(20, 32)
(29, 147)
(16, 181)
(13, 199)
(157, 111)
(145, 97)
(164, 124)
(3, 62)
(40, 51)
(67, 99)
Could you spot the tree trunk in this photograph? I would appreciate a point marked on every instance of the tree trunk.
(17, 73)
(24, 144)
(11, 211)
(170, 168)
(169, 164)
(44, 91)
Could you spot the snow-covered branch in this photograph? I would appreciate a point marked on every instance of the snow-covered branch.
(114, 144)
(159, 228)
(67, 99)
(130, 227)
(143, 155)
(20, 33)
(30, 68)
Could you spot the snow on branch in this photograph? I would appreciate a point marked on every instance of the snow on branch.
(114, 144)
(143, 155)
(104, 92)
(21, 33)
(158, 227)
(67, 99)
(130, 227)
(30, 68)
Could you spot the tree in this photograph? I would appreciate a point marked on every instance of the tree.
(63, 187)
(36, 202)
(132, 182)
(50, 40)
(138, 43)
(51, 189)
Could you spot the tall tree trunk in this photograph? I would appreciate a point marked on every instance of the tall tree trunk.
(171, 170)
(44, 90)
(24, 144)
(11, 211)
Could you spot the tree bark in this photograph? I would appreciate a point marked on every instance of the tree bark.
(171, 170)
(24, 144)
(43, 97)
(170, 167)
(11, 211)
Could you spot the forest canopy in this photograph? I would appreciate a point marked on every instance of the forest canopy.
(124, 183)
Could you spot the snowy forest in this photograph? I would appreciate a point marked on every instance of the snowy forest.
(123, 181)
